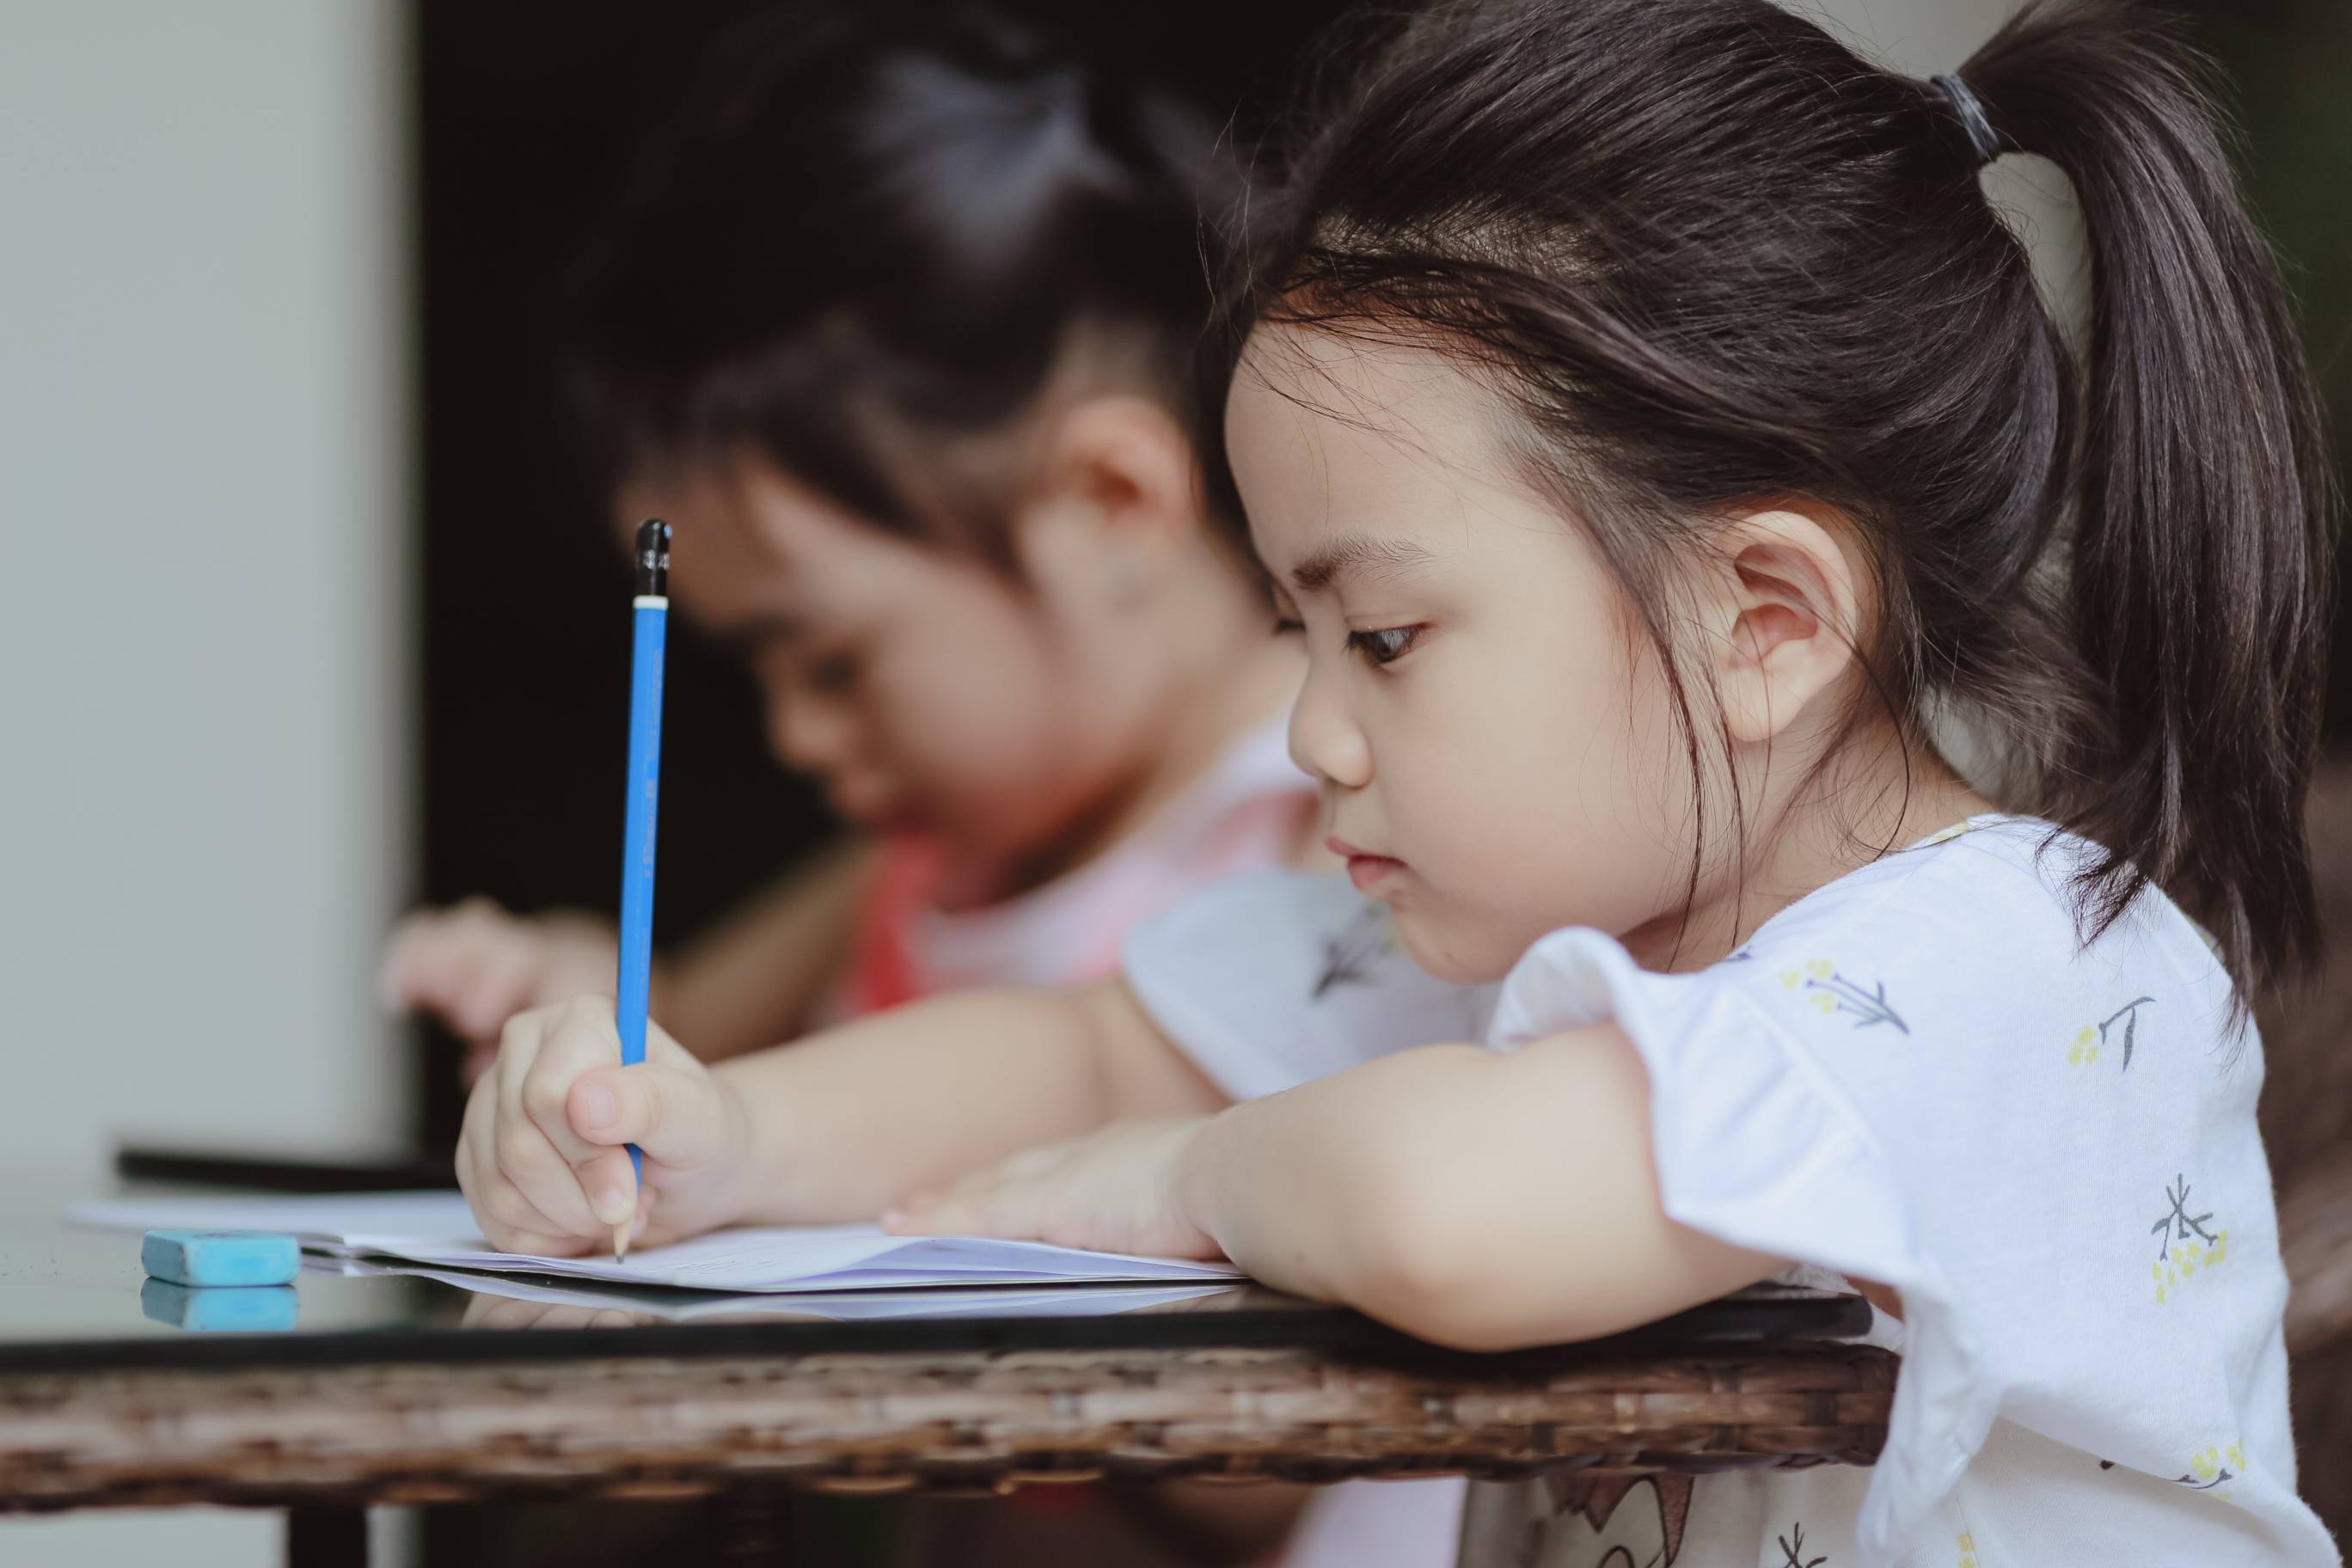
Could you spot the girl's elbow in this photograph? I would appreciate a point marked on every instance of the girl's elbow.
(1470, 1311)
(1441, 1276)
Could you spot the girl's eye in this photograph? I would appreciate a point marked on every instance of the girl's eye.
(1386, 646)
(831, 673)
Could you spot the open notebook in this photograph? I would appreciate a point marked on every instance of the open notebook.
(437, 1229)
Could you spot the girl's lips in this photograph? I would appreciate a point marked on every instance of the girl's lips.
(1363, 869)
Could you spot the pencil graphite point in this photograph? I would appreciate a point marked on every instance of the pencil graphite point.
(620, 1243)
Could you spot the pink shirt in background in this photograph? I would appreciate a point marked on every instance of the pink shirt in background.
(1246, 815)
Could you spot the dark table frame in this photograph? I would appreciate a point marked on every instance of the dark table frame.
(324, 1424)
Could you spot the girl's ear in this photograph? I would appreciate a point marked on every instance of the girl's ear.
(1115, 492)
(1786, 613)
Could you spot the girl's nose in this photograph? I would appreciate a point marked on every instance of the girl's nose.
(1325, 742)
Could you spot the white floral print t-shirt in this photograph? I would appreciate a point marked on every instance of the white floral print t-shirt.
(1920, 1076)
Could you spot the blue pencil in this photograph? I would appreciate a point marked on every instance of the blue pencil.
(631, 992)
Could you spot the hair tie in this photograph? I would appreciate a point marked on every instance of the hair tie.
(1973, 120)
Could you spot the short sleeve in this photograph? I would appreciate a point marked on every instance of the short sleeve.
(1277, 978)
(1922, 1076)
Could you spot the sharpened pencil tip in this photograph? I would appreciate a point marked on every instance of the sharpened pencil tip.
(620, 1244)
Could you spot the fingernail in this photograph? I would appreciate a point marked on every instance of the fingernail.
(893, 1218)
(596, 1106)
(613, 1206)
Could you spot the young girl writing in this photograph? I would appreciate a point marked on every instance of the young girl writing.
(1662, 447)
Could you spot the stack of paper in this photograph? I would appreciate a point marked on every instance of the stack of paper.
(655, 1302)
(437, 1229)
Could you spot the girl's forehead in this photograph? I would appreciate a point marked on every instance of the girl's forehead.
(1329, 434)
(1373, 389)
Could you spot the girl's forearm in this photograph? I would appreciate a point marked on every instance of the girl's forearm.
(754, 978)
(853, 1122)
(1469, 1197)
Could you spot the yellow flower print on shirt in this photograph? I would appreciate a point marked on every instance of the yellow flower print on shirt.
(1968, 1552)
(2211, 1469)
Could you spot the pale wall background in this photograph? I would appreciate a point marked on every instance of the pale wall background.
(201, 404)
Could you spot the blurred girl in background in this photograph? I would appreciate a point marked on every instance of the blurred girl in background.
(895, 330)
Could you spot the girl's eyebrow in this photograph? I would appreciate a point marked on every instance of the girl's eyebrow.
(1352, 555)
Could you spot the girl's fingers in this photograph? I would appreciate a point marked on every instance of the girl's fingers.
(533, 1244)
(990, 1204)
(524, 1153)
(579, 1039)
(510, 1222)
(465, 1160)
(474, 1168)
(441, 971)
(522, 1194)
(540, 1182)
(532, 1167)
(675, 1114)
(499, 986)
(611, 1185)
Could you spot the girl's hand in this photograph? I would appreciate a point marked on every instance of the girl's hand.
(541, 1157)
(475, 965)
(1112, 1191)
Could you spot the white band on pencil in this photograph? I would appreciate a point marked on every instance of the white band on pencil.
(651, 602)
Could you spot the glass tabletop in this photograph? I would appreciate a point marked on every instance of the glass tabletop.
(74, 1298)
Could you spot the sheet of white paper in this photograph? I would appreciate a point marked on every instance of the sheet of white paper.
(437, 1228)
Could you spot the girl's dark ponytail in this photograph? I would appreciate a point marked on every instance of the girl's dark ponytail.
(2201, 498)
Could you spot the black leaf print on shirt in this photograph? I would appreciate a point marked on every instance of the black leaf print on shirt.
(2129, 1014)
(1348, 954)
(2177, 1225)
(2209, 1471)
(1792, 1556)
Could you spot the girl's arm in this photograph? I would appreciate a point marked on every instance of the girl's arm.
(849, 1123)
(837, 1126)
(754, 978)
(1480, 1200)
(749, 983)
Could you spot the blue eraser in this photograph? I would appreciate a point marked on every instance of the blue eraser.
(262, 1310)
(221, 1257)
